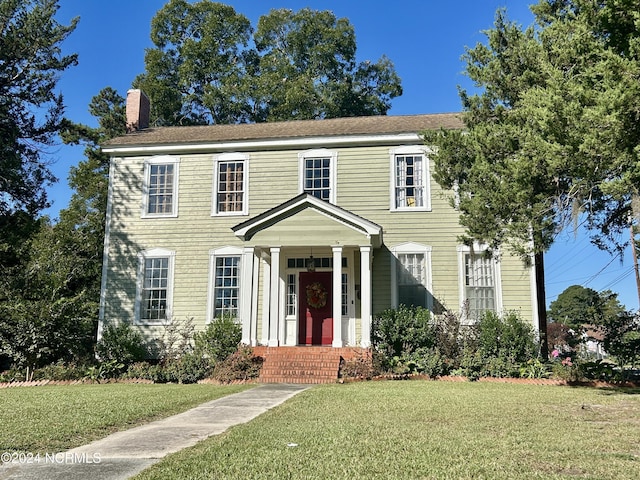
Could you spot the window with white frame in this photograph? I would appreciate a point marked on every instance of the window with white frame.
(160, 187)
(154, 286)
(410, 182)
(317, 174)
(224, 285)
(230, 184)
(411, 278)
(480, 280)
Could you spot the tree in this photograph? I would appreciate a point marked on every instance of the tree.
(622, 339)
(53, 285)
(308, 69)
(552, 133)
(576, 306)
(204, 69)
(30, 110)
(578, 309)
(194, 73)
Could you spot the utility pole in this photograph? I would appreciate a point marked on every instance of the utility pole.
(634, 252)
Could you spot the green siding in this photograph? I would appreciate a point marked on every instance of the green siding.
(363, 187)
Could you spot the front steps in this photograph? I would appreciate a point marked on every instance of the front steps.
(303, 364)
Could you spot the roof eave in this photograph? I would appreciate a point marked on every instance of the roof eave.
(264, 144)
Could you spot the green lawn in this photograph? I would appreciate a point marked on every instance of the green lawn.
(55, 418)
(430, 430)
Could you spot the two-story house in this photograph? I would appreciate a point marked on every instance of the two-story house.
(302, 230)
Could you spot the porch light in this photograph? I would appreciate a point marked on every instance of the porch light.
(311, 263)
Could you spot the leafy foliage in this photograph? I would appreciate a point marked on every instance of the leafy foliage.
(240, 365)
(204, 68)
(553, 132)
(401, 331)
(121, 343)
(220, 339)
(622, 338)
(30, 109)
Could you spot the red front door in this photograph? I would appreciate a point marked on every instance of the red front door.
(315, 308)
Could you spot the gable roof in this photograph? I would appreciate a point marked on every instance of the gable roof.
(348, 129)
(304, 201)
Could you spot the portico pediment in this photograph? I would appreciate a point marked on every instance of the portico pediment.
(306, 221)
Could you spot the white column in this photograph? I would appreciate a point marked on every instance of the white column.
(254, 300)
(246, 289)
(266, 288)
(337, 296)
(274, 297)
(365, 295)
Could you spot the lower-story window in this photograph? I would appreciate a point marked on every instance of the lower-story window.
(411, 280)
(226, 286)
(154, 286)
(480, 282)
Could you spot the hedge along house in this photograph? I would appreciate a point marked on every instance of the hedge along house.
(301, 230)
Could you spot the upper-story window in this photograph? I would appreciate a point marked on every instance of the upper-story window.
(410, 179)
(154, 286)
(479, 281)
(160, 187)
(317, 174)
(231, 184)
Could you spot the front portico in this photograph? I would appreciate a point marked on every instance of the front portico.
(306, 275)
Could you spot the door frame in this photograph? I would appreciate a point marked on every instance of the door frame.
(291, 319)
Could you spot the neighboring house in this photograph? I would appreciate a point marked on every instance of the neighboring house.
(302, 230)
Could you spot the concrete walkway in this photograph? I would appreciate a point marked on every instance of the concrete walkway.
(124, 454)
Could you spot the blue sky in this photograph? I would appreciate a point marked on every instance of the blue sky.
(424, 38)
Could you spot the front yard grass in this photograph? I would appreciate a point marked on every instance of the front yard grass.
(428, 430)
(54, 418)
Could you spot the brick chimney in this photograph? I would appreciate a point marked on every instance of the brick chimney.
(138, 108)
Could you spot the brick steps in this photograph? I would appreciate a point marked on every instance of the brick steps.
(304, 364)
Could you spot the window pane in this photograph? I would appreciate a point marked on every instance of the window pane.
(226, 286)
(154, 289)
(230, 181)
(411, 279)
(160, 189)
(479, 285)
(317, 177)
(409, 182)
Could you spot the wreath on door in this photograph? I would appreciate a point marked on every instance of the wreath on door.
(316, 295)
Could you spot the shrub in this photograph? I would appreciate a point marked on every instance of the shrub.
(397, 332)
(104, 370)
(506, 337)
(60, 371)
(188, 368)
(361, 367)
(121, 343)
(176, 340)
(219, 340)
(146, 371)
(240, 365)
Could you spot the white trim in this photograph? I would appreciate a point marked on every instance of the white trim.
(160, 160)
(337, 296)
(274, 298)
(213, 254)
(359, 224)
(412, 248)
(497, 274)
(333, 141)
(365, 295)
(426, 174)
(142, 256)
(333, 168)
(230, 157)
(105, 250)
